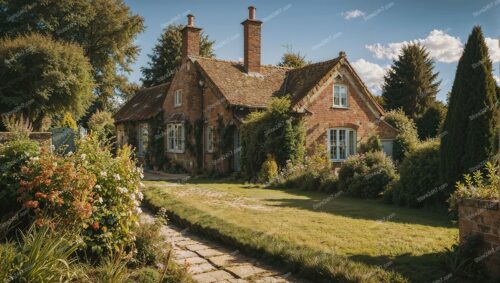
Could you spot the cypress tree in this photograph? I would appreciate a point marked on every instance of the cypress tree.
(411, 83)
(470, 127)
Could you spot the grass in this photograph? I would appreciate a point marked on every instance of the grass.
(327, 237)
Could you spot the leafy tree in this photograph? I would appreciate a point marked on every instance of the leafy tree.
(411, 84)
(167, 55)
(471, 122)
(430, 122)
(102, 123)
(293, 60)
(105, 29)
(40, 77)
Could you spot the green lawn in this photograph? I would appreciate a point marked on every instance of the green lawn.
(367, 236)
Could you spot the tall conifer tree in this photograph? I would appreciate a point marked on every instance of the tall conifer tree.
(470, 129)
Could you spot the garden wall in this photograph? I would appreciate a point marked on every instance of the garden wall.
(41, 137)
(482, 217)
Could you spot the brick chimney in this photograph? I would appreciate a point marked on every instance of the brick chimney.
(190, 39)
(251, 29)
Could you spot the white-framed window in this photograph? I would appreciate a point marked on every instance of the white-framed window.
(178, 98)
(341, 143)
(210, 139)
(175, 137)
(143, 139)
(340, 96)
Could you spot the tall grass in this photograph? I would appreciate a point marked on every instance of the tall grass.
(40, 256)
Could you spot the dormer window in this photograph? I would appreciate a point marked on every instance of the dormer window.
(340, 96)
(178, 98)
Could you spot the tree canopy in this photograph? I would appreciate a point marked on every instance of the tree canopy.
(167, 55)
(470, 128)
(411, 84)
(105, 29)
(40, 77)
(293, 60)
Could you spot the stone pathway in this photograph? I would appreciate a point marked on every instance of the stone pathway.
(209, 262)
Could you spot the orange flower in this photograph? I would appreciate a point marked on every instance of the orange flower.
(31, 204)
(104, 229)
(40, 195)
(39, 222)
(95, 226)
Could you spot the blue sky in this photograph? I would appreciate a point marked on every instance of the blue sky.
(370, 32)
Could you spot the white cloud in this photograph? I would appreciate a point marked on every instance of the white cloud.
(371, 73)
(497, 79)
(441, 46)
(352, 14)
(493, 49)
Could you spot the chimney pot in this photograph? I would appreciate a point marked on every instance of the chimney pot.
(190, 20)
(251, 12)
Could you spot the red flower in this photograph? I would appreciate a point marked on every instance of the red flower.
(95, 226)
(31, 204)
(40, 195)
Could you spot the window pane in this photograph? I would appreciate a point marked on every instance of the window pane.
(352, 143)
(334, 144)
(342, 144)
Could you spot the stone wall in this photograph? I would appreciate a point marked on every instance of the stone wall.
(482, 217)
(41, 137)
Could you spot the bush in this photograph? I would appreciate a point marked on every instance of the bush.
(366, 175)
(315, 173)
(269, 170)
(149, 243)
(13, 155)
(478, 186)
(102, 123)
(68, 121)
(57, 190)
(407, 138)
(430, 122)
(116, 196)
(420, 184)
(461, 260)
(372, 144)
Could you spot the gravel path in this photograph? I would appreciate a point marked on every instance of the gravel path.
(210, 262)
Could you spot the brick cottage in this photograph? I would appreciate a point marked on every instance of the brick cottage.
(336, 107)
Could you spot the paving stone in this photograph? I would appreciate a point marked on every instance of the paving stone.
(201, 268)
(228, 260)
(191, 260)
(271, 280)
(207, 253)
(186, 243)
(245, 271)
(197, 247)
(212, 276)
(184, 254)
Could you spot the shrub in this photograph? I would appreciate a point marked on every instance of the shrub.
(116, 193)
(269, 170)
(277, 132)
(430, 122)
(102, 123)
(312, 174)
(478, 186)
(57, 190)
(366, 175)
(372, 144)
(420, 184)
(149, 243)
(461, 260)
(68, 121)
(407, 137)
(13, 155)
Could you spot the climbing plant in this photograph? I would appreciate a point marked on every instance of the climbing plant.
(275, 131)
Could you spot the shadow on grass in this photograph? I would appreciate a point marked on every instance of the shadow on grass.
(367, 209)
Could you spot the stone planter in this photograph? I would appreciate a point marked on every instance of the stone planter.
(482, 217)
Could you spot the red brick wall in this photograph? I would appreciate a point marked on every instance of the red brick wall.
(190, 41)
(186, 79)
(215, 107)
(482, 217)
(358, 116)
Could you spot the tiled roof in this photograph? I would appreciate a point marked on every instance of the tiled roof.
(240, 88)
(145, 104)
(301, 80)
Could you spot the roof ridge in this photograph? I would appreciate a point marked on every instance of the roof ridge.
(317, 64)
(241, 63)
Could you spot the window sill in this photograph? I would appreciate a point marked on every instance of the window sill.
(175, 151)
(177, 106)
(340, 107)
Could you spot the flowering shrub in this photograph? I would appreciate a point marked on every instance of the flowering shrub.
(478, 186)
(269, 169)
(57, 189)
(116, 195)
